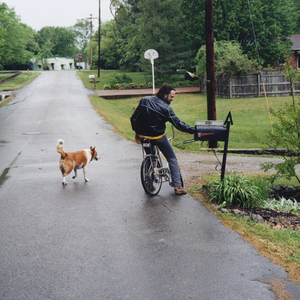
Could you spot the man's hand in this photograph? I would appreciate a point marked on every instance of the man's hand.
(137, 138)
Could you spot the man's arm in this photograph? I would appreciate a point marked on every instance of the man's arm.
(134, 117)
(173, 119)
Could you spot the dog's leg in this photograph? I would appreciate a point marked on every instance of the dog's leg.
(64, 181)
(84, 173)
(75, 171)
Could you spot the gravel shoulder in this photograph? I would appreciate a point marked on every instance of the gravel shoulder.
(195, 166)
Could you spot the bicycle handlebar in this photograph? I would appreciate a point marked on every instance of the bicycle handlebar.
(171, 138)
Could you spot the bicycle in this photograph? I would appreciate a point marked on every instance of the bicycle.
(153, 173)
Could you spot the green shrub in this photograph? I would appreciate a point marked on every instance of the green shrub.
(107, 86)
(117, 86)
(124, 86)
(119, 79)
(124, 78)
(176, 84)
(149, 84)
(286, 134)
(141, 85)
(133, 85)
(234, 189)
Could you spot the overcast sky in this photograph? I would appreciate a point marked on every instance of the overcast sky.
(64, 13)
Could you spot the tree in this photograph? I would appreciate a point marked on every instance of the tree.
(151, 24)
(109, 46)
(126, 14)
(193, 33)
(273, 20)
(82, 36)
(45, 52)
(297, 5)
(62, 40)
(160, 28)
(14, 42)
(229, 60)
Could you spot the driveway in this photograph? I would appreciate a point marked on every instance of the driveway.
(105, 239)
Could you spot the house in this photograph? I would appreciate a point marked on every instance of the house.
(56, 63)
(295, 62)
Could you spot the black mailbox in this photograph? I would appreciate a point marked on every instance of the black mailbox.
(214, 131)
(211, 131)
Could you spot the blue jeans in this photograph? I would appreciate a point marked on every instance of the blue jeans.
(167, 150)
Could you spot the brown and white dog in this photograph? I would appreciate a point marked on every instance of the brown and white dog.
(74, 160)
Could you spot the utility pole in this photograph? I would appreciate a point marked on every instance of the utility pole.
(210, 65)
(91, 25)
(99, 37)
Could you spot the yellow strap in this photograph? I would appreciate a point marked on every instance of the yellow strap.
(151, 137)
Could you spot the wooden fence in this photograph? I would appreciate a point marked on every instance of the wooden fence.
(252, 85)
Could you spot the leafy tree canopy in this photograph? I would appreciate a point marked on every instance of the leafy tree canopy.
(62, 40)
(16, 45)
(229, 60)
(273, 21)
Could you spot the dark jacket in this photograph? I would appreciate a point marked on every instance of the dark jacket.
(151, 115)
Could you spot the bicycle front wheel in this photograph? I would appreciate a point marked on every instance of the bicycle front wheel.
(151, 182)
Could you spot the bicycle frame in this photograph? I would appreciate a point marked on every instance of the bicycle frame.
(155, 159)
(153, 172)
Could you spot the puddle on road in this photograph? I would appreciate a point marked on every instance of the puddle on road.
(4, 175)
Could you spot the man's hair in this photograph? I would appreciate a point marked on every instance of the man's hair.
(164, 90)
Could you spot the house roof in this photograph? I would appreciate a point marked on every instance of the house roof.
(296, 39)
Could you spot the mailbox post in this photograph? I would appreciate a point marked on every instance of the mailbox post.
(94, 80)
(214, 131)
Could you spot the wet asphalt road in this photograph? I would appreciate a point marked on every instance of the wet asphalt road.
(105, 239)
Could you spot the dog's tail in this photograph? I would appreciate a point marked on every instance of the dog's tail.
(59, 149)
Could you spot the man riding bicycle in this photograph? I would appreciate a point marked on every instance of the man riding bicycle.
(148, 120)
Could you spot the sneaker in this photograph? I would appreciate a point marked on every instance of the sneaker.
(180, 190)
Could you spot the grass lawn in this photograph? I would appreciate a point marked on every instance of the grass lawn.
(250, 118)
(19, 81)
(3, 76)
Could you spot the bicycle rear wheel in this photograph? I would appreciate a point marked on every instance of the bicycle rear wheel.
(151, 182)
